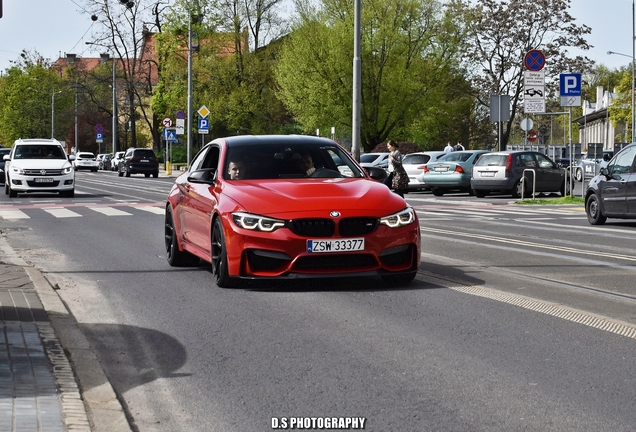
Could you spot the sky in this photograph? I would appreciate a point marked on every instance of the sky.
(56, 27)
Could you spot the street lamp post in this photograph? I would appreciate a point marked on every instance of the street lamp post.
(53, 112)
(633, 57)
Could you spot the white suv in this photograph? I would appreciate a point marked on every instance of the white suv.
(38, 165)
(87, 161)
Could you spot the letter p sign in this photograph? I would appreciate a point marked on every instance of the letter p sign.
(570, 84)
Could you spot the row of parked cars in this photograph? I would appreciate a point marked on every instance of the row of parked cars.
(479, 172)
(132, 161)
(610, 193)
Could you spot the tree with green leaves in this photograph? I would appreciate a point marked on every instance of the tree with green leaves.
(28, 93)
(235, 83)
(412, 87)
(501, 32)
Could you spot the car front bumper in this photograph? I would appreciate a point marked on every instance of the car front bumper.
(283, 255)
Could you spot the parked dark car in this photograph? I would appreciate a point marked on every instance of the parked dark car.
(503, 171)
(139, 161)
(612, 193)
(3, 151)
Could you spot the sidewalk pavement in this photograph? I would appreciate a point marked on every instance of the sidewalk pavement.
(50, 379)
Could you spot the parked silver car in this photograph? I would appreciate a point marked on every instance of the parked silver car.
(503, 171)
(587, 166)
(413, 164)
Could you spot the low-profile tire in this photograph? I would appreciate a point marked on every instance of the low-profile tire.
(12, 193)
(94, 170)
(399, 279)
(437, 191)
(6, 187)
(578, 175)
(121, 173)
(146, 175)
(68, 193)
(155, 174)
(219, 258)
(480, 193)
(593, 210)
(175, 257)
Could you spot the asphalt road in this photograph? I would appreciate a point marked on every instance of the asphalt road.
(521, 318)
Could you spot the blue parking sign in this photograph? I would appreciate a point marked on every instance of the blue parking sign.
(204, 124)
(570, 84)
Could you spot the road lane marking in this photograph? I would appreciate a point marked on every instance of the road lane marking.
(588, 319)
(109, 211)
(62, 212)
(155, 210)
(13, 214)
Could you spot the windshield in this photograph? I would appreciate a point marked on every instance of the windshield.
(415, 159)
(369, 157)
(455, 157)
(492, 160)
(39, 152)
(295, 160)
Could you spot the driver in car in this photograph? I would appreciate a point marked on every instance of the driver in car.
(306, 164)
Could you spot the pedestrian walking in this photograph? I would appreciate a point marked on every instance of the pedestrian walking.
(459, 146)
(449, 148)
(399, 180)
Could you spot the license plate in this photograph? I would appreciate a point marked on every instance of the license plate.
(144, 160)
(487, 174)
(440, 169)
(341, 245)
(43, 180)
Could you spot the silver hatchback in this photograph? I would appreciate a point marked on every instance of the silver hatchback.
(503, 171)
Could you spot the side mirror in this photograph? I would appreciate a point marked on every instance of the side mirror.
(207, 176)
(6, 157)
(604, 171)
(376, 173)
(71, 158)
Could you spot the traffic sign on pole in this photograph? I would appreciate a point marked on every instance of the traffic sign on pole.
(534, 60)
(167, 122)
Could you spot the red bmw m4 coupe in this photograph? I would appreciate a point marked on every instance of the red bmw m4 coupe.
(288, 207)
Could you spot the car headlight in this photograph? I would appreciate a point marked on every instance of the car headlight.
(67, 170)
(399, 219)
(257, 223)
(17, 169)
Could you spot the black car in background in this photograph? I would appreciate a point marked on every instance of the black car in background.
(612, 193)
(139, 161)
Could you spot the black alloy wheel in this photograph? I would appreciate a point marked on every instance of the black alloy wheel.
(219, 258)
(175, 257)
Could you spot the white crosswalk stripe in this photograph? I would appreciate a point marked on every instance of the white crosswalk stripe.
(75, 212)
(62, 212)
(151, 209)
(13, 214)
(110, 211)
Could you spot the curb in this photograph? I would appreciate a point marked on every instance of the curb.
(103, 409)
(105, 412)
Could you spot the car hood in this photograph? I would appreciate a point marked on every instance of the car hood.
(41, 163)
(350, 197)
